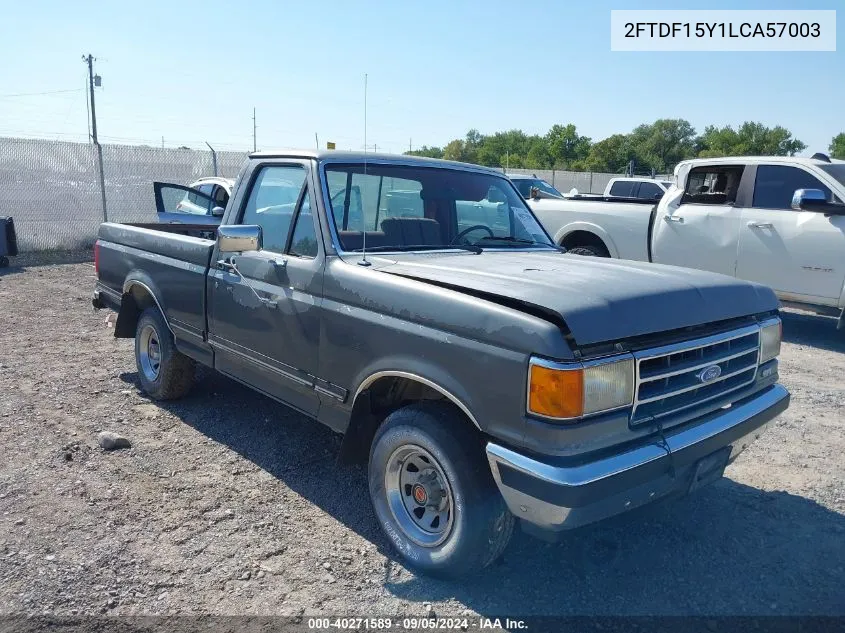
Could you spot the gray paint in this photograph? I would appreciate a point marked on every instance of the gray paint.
(320, 328)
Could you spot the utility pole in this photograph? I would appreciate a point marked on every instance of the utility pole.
(162, 142)
(410, 144)
(253, 131)
(89, 59)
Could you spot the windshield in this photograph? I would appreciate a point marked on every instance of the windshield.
(405, 207)
(524, 185)
(837, 170)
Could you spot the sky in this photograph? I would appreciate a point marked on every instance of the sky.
(186, 73)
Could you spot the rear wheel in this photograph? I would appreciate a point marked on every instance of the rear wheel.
(590, 250)
(164, 372)
(433, 493)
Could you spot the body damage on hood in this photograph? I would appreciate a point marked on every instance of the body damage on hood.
(593, 300)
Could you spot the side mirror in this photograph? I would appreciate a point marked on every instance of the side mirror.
(217, 212)
(239, 238)
(534, 192)
(809, 200)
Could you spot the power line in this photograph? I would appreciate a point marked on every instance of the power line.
(38, 94)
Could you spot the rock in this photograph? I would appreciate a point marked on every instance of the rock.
(246, 575)
(20, 522)
(327, 565)
(329, 579)
(112, 441)
(260, 574)
(429, 611)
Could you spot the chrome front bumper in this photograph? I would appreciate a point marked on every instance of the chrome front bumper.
(551, 496)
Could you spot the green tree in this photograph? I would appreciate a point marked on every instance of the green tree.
(456, 150)
(429, 152)
(750, 139)
(662, 144)
(837, 146)
(610, 155)
(565, 145)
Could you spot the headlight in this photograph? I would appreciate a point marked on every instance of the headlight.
(572, 390)
(770, 335)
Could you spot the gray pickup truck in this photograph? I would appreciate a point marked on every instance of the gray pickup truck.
(480, 373)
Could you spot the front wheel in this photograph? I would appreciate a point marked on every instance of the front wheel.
(164, 372)
(433, 493)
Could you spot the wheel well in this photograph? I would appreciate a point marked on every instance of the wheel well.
(376, 402)
(583, 238)
(134, 301)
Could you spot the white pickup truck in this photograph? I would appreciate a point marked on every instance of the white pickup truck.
(779, 221)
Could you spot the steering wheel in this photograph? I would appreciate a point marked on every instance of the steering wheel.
(474, 227)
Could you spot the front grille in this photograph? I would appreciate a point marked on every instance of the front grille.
(669, 378)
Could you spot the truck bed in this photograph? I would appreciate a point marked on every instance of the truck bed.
(167, 260)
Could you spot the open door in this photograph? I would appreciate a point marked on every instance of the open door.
(178, 204)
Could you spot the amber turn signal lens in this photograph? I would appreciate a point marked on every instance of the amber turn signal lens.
(555, 393)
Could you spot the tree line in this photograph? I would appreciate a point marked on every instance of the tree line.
(655, 147)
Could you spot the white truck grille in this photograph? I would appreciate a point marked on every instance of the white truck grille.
(676, 377)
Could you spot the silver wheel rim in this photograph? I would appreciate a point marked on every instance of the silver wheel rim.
(419, 495)
(150, 352)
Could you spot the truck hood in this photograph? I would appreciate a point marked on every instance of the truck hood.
(600, 300)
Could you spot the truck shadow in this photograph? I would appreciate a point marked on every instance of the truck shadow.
(728, 549)
(802, 328)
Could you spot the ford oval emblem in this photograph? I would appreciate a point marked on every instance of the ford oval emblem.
(709, 374)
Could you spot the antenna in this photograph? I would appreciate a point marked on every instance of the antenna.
(364, 261)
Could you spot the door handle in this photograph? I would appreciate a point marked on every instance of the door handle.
(270, 303)
(760, 225)
(279, 262)
(674, 218)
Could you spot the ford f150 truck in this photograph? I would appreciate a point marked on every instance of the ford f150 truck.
(774, 220)
(480, 373)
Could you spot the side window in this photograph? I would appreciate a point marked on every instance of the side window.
(272, 202)
(221, 197)
(304, 240)
(623, 188)
(649, 191)
(717, 184)
(775, 184)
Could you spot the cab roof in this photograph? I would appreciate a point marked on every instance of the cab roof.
(340, 156)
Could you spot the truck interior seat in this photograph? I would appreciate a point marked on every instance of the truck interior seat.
(351, 240)
(411, 231)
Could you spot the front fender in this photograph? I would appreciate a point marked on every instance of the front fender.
(421, 370)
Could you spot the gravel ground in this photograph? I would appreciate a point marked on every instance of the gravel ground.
(229, 503)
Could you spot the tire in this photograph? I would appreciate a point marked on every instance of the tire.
(4, 261)
(476, 526)
(164, 372)
(592, 251)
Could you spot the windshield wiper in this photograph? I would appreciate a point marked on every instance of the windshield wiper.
(419, 247)
(514, 240)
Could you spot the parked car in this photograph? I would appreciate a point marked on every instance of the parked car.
(525, 183)
(637, 187)
(773, 220)
(480, 373)
(195, 203)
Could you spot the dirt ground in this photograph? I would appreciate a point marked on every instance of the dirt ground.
(229, 503)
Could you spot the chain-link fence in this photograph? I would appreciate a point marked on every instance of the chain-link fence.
(52, 188)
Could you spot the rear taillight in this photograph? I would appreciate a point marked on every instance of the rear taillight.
(97, 257)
